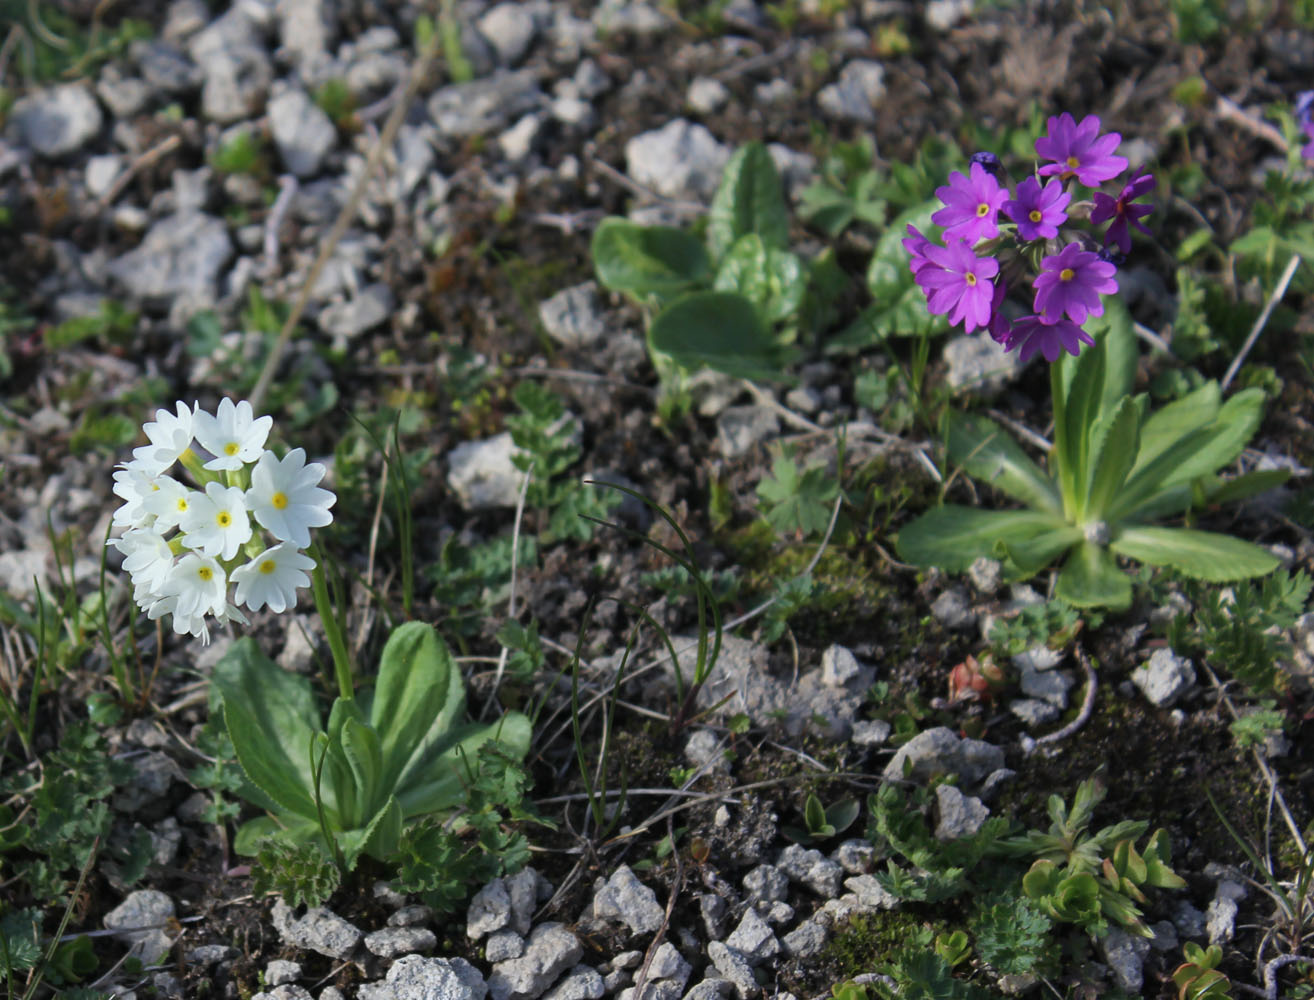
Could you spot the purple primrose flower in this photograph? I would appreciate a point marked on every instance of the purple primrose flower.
(1038, 211)
(1032, 333)
(916, 243)
(1080, 151)
(991, 163)
(958, 282)
(999, 326)
(1071, 282)
(972, 205)
(1123, 212)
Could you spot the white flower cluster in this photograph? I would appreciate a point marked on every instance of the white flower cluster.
(183, 546)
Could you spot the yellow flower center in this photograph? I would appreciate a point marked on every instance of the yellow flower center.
(223, 519)
(1034, 215)
(982, 210)
(1067, 274)
(232, 448)
(181, 504)
(268, 566)
(970, 278)
(279, 500)
(1073, 162)
(205, 573)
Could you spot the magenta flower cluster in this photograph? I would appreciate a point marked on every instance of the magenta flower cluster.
(963, 276)
(1305, 119)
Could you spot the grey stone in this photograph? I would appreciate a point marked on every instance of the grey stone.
(280, 971)
(766, 884)
(319, 930)
(550, 950)
(412, 915)
(302, 131)
(703, 748)
(630, 17)
(523, 889)
(1220, 919)
(668, 963)
(414, 978)
(237, 69)
(573, 316)
(393, 941)
(124, 96)
(517, 142)
(776, 91)
(574, 112)
(165, 67)
(734, 967)
(871, 894)
(810, 868)
(483, 106)
(952, 610)
(959, 815)
(941, 751)
(1164, 678)
(854, 96)
(680, 160)
(713, 988)
(1125, 953)
(581, 983)
(1165, 936)
(714, 912)
(753, 938)
(985, 574)
(856, 856)
(777, 914)
(805, 940)
(944, 14)
(181, 256)
(153, 773)
(184, 18)
(979, 365)
(482, 475)
(741, 428)
(371, 307)
(510, 29)
(210, 954)
(871, 732)
(652, 990)
(1049, 686)
(306, 28)
(141, 920)
(58, 120)
(502, 945)
(288, 991)
(1033, 712)
(628, 900)
(706, 95)
(1188, 920)
(1038, 658)
(839, 666)
(415, 157)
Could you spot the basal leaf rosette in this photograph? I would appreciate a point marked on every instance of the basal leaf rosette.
(231, 538)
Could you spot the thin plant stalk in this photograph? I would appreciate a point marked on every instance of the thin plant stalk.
(117, 667)
(332, 629)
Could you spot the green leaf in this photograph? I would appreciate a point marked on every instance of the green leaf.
(772, 279)
(418, 695)
(644, 260)
(1169, 424)
(898, 304)
(1115, 336)
(718, 330)
(749, 200)
(435, 778)
(297, 830)
(1113, 453)
(271, 718)
(1091, 579)
(953, 537)
(1248, 485)
(360, 745)
(986, 452)
(378, 838)
(1083, 382)
(1204, 555)
(814, 815)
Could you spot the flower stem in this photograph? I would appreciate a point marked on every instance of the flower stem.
(332, 629)
(1061, 459)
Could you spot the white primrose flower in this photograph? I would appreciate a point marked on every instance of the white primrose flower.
(147, 558)
(272, 578)
(134, 487)
(285, 499)
(216, 523)
(170, 435)
(198, 587)
(169, 502)
(232, 435)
